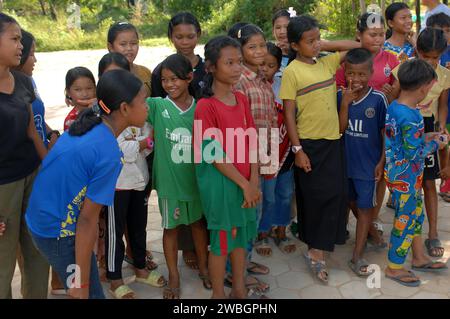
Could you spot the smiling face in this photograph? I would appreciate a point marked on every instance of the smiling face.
(10, 45)
(358, 74)
(126, 43)
(82, 89)
(373, 39)
(185, 38)
(28, 67)
(173, 85)
(309, 44)
(255, 50)
(228, 68)
(402, 21)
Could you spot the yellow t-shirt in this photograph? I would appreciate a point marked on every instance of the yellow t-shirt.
(313, 87)
(429, 106)
(145, 75)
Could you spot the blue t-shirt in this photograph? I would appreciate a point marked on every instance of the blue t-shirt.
(39, 115)
(363, 137)
(75, 168)
(445, 57)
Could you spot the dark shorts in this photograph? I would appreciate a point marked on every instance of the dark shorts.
(431, 169)
(363, 193)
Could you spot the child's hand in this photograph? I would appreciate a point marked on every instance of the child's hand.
(411, 38)
(350, 93)
(302, 161)
(86, 103)
(387, 89)
(445, 173)
(252, 196)
(379, 171)
(447, 65)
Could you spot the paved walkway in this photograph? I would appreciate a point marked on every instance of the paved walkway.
(290, 278)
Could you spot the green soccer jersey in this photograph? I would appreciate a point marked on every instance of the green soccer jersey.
(173, 166)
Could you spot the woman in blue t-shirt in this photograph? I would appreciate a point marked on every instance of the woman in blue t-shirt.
(78, 177)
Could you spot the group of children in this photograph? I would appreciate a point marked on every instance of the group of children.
(341, 126)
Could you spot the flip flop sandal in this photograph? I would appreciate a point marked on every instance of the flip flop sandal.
(284, 243)
(256, 287)
(356, 267)
(428, 267)
(317, 267)
(379, 227)
(263, 244)
(122, 291)
(254, 265)
(174, 291)
(432, 244)
(152, 279)
(399, 280)
(206, 281)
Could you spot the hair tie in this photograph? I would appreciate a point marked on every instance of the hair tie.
(104, 107)
(292, 12)
(96, 109)
(239, 34)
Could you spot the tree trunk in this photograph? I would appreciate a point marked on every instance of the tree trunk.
(1, 5)
(383, 6)
(362, 5)
(418, 22)
(42, 3)
(53, 11)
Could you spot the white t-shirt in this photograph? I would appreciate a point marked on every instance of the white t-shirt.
(442, 8)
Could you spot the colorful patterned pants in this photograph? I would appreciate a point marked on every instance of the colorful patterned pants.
(409, 217)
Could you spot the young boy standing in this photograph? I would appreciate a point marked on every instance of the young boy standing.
(361, 120)
(406, 150)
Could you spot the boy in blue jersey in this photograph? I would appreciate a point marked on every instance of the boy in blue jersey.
(361, 120)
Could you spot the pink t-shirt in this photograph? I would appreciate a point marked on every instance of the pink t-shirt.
(383, 64)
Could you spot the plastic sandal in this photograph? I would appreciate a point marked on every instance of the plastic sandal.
(428, 267)
(433, 244)
(251, 269)
(356, 267)
(122, 291)
(410, 274)
(263, 244)
(317, 267)
(206, 281)
(285, 242)
(256, 287)
(152, 279)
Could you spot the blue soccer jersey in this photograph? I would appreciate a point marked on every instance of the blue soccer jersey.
(363, 136)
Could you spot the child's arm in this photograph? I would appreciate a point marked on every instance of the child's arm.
(443, 111)
(343, 46)
(85, 238)
(34, 136)
(394, 92)
(301, 159)
(130, 146)
(348, 95)
(413, 147)
(379, 169)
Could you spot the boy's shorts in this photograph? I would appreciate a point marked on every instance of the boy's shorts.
(364, 193)
(175, 213)
(222, 242)
(431, 168)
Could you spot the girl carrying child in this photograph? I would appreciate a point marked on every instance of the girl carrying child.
(174, 172)
(85, 164)
(228, 187)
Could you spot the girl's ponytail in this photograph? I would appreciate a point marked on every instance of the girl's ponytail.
(85, 122)
(207, 91)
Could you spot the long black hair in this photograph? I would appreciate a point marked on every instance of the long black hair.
(180, 66)
(246, 32)
(390, 13)
(275, 51)
(431, 39)
(212, 54)
(183, 18)
(112, 58)
(280, 13)
(114, 88)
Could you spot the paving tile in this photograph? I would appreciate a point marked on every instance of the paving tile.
(283, 293)
(429, 295)
(390, 287)
(320, 292)
(295, 280)
(358, 290)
